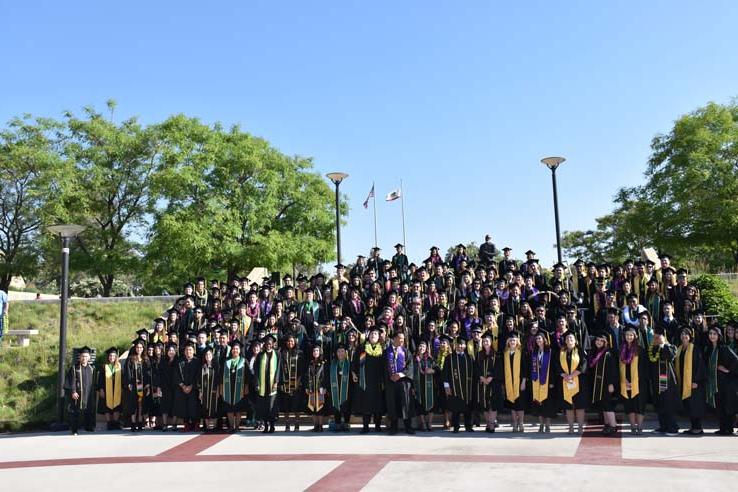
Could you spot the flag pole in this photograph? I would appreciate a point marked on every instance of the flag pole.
(374, 203)
(402, 205)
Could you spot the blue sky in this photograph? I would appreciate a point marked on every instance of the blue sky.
(459, 99)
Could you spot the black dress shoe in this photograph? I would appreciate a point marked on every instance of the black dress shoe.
(456, 430)
(364, 430)
(410, 431)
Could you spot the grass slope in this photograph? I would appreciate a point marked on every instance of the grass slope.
(28, 375)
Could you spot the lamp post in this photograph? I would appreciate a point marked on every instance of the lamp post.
(553, 163)
(337, 177)
(66, 232)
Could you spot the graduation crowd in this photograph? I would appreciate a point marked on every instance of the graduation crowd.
(455, 343)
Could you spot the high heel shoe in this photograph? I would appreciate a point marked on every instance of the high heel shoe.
(541, 428)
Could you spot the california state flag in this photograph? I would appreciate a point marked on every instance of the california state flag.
(393, 195)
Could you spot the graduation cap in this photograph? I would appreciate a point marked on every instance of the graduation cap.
(340, 265)
(376, 248)
(139, 340)
(664, 256)
(559, 265)
(507, 248)
(159, 320)
(434, 247)
(591, 264)
(579, 262)
(613, 310)
(652, 280)
(632, 328)
(460, 246)
(513, 334)
(189, 285)
(235, 342)
(682, 271)
(530, 253)
(269, 337)
(477, 328)
(399, 245)
(142, 332)
(111, 350)
(84, 350)
(650, 262)
(447, 338)
(301, 278)
(286, 276)
(170, 345)
(638, 263)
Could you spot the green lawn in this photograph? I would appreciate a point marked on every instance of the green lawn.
(28, 375)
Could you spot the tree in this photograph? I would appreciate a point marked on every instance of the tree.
(29, 165)
(230, 202)
(108, 191)
(688, 206)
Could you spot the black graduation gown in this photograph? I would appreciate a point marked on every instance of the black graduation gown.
(187, 406)
(313, 379)
(210, 377)
(153, 401)
(102, 407)
(665, 393)
(291, 388)
(400, 403)
(604, 373)
(489, 396)
(166, 375)
(460, 373)
(370, 388)
(695, 405)
(136, 378)
(266, 404)
(521, 402)
(636, 404)
(581, 399)
(727, 384)
(81, 380)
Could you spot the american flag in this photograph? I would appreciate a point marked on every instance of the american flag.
(369, 196)
(393, 195)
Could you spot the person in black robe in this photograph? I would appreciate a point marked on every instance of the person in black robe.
(489, 397)
(210, 376)
(722, 380)
(368, 371)
(79, 386)
(168, 367)
(574, 394)
(602, 376)
(291, 392)
(487, 252)
(314, 386)
(516, 370)
(691, 382)
(459, 377)
(399, 385)
(664, 385)
(186, 381)
(110, 389)
(339, 385)
(633, 378)
(266, 378)
(156, 367)
(136, 384)
(544, 399)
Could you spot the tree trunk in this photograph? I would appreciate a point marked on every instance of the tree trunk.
(5, 282)
(232, 273)
(107, 285)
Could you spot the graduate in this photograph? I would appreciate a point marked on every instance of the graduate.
(459, 378)
(266, 381)
(153, 399)
(291, 392)
(339, 387)
(314, 387)
(398, 388)
(691, 376)
(515, 370)
(722, 380)
(209, 385)
(544, 402)
(444, 350)
(633, 377)
(186, 381)
(137, 383)
(168, 388)
(235, 386)
(110, 389)
(79, 385)
(424, 385)
(368, 371)
(664, 386)
(489, 397)
(571, 363)
(602, 372)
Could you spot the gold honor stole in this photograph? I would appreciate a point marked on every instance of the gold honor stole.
(634, 389)
(272, 373)
(540, 391)
(512, 376)
(686, 383)
(315, 398)
(570, 388)
(112, 385)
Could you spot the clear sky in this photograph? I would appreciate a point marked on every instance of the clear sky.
(459, 99)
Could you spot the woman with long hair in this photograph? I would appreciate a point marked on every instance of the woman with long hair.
(603, 379)
(489, 387)
(544, 403)
(722, 380)
(571, 364)
(515, 370)
(137, 383)
(424, 383)
(167, 368)
(110, 388)
(209, 385)
(633, 377)
(314, 384)
(235, 386)
(691, 375)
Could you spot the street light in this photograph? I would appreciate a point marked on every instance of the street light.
(66, 232)
(337, 177)
(553, 163)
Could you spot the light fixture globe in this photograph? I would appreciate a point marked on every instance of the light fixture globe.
(337, 177)
(552, 162)
(66, 230)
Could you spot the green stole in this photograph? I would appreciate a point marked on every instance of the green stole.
(339, 394)
(712, 364)
(272, 373)
(239, 364)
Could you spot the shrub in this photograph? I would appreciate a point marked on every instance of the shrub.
(717, 297)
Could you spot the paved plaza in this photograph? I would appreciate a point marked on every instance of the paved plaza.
(345, 462)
